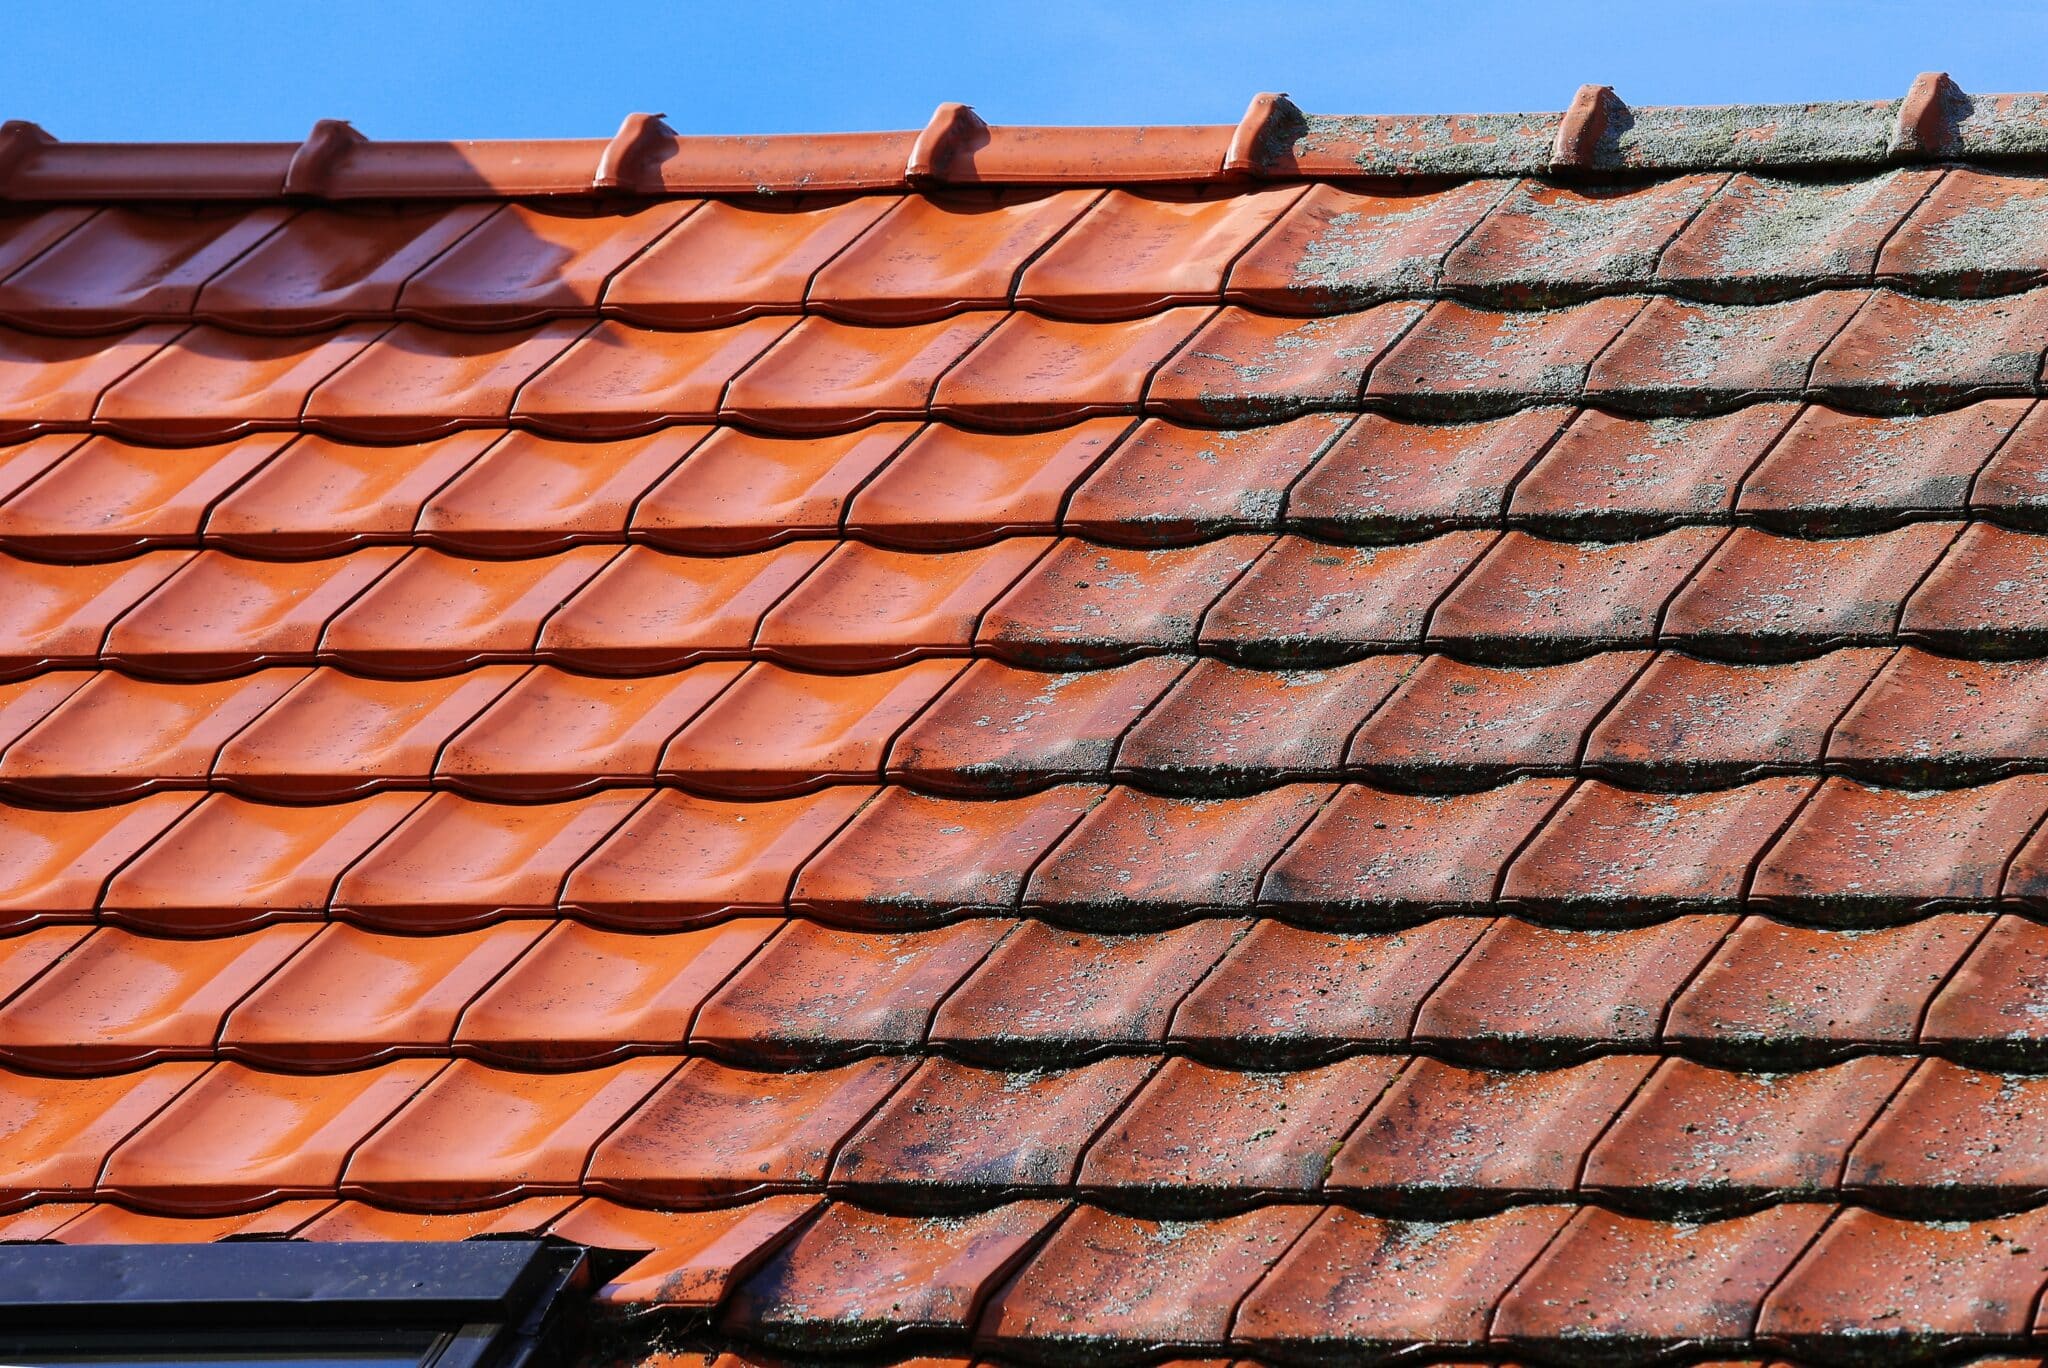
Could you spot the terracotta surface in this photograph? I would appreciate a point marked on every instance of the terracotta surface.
(1328, 738)
(1463, 1138)
(530, 494)
(475, 1135)
(955, 1134)
(1168, 483)
(106, 497)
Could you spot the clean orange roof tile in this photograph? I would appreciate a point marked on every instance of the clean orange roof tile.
(416, 382)
(122, 1000)
(475, 1135)
(908, 855)
(328, 265)
(620, 379)
(827, 376)
(525, 263)
(238, 1138)
(338, 735)
(211, 383)
(778, 731)
(221, 612)
(583, 996)
(59, 1131)
(230, 863)
(648, 610)
(949, 487)
(126, 266)
(456, 862)
(553, 733)
(435, 612)
(681, 859)
(1037, 372)
(319, 496)
(732, 260)
(108, 497)
(528, 494)
(54, 383)
(933, 255)
(353, 997)
(54, 864)
(119, 736)
(868, 607)
(1136, 252)
(59, 614)
(740, 491)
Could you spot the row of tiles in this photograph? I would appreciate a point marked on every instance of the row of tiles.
(985, 729)
(1412, 1136)
(1866, 350)
(1965, 589)
(1553, 471)
(765, 992)
(1085, 254)
(1049, 1282)
(1824, 851)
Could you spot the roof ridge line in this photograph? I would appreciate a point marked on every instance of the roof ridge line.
(1599, 134)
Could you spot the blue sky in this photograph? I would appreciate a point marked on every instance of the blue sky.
(226, 69)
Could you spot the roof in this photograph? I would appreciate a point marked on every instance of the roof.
(1050, 744)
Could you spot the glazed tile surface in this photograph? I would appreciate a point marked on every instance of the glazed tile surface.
(1335, 741)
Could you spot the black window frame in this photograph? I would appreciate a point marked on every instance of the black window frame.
(485, 1303)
